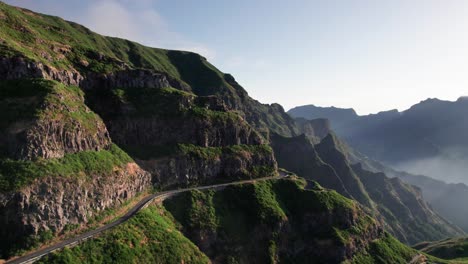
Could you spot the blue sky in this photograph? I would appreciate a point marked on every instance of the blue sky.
(371, 55)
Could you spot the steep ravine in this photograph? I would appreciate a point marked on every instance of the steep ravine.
(105, 118)
(400, 206)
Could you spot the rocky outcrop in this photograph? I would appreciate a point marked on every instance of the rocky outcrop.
(315, 129)
(401, 207)
(328, 250)
(59, 122)
(52, 203)
(131, 78)
(329, 149)
(298, 154)
(54, 140)
(190, 169)
(198, 131)
(396, 200)
(211, 102)
(20, 68)
(246, 224)
(265, 118)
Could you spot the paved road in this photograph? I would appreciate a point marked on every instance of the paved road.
(34, 256)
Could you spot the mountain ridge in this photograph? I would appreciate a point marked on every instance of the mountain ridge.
(427, 139)
(170, 119)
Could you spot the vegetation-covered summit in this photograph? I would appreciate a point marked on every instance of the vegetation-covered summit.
(277, 221)
(71, 98)
(68, 46)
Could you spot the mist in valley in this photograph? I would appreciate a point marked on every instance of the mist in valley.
(450, 167)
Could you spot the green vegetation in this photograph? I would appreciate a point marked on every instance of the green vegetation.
(66, 46)
(165, 102)
(62, 44)
(386, 250)
(66, 104)
(149, 237)
(216, 152)
(168, 103)
(215, 115)
(207, 153)
(229, 218)
(17, 173)
(39, 99)
(449, 249)
(233, 213)
(239, 224)
(21, 246)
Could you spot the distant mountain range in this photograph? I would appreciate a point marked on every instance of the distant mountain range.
(430, 138)
(91, 124)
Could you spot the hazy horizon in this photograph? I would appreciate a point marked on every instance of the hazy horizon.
(384, 110)
(364, 55)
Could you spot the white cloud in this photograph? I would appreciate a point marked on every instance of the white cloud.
(110, 18)
(141, 23)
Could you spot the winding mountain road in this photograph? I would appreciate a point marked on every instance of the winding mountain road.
(36, 255)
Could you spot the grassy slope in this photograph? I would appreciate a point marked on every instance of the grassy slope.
(408, 217)
(29, 100)
(49, 34)
(55, 36)
(37, 99)
(15, 173)
(236, 212)
(149, 237)
(67, 45)
(167, 103)
(385, 250)
(455, 249)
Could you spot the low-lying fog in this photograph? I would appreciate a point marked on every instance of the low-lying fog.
(452, 167)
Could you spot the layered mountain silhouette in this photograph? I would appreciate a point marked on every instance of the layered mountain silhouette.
(90, 123)
(429, 138)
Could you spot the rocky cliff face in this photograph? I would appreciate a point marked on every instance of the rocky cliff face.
(20, 68)
(131, 78)
(245, 224)
(441, 196)
(315, 129)
(159, 132)
(299, 155)
(55, 121)
(182, 120)
(51, 204)
(415, 219)
(12, 68)
(329, 150)
(54, 140)
(401, 207)
(263, 222)
(203, 166)
(436, 146)
(59, 166)
(148, 103)
(265, 118)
